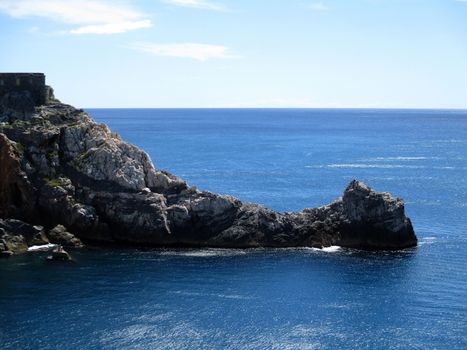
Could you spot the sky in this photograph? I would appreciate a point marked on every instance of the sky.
(243, 53)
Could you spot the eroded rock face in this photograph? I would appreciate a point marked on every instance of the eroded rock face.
(71, 171)
(16, 192)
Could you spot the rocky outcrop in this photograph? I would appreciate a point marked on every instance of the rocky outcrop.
(362, 219)
(16, 236)
(59, 235)
(59, 167)
(374, 220)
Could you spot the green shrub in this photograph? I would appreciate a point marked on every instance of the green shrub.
(52, 182)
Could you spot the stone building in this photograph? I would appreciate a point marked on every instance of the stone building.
(34, 83)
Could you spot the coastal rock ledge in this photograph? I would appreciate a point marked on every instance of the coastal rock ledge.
(59, 167)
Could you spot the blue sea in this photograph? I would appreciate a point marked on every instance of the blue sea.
(285, 159)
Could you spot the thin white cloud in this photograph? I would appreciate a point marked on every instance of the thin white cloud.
(112, 28)
(200, 52)
(94, 17)
(318, 6)
(199, 4)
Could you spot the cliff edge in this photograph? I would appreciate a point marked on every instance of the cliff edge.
(59, 167)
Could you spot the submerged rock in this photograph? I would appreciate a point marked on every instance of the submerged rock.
(59, 167)
(59, 255)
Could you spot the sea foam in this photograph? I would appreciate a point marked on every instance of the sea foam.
(331, 249)
(42, 248)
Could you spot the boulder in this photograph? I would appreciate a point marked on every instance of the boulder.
(60, 235)
(16, 235)
(59, 255)
(13, 243)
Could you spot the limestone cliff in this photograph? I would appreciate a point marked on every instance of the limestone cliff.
(59, 167)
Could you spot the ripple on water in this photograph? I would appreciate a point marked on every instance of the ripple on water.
(204, 253)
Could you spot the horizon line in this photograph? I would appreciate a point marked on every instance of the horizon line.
(297, 108)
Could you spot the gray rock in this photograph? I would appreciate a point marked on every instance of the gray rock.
(17, 194)
(59, 255)
(74, 172)
(12, 242)
(20, 234)
(60, 235)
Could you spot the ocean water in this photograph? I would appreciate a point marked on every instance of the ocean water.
(268, 299)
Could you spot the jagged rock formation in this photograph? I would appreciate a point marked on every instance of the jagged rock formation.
(16, 236)
(59, 167)
(59, 235)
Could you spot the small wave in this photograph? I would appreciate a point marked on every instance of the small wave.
(331, 249)
(205, 253)
(367, 166)
(449, 141)
(399, 158)
(427, 240)
(380, 166)
(434, 203)
(224, 296)
(233, 296)
(41, 248)
(341, 306)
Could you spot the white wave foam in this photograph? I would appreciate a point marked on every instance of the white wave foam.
(331, 249)
(42, 248)
(427, 240)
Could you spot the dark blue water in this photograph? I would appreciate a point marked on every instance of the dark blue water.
(268, 299)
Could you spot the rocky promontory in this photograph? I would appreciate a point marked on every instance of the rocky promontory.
(59, 167)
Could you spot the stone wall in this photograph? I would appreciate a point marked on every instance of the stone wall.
(32, 82)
